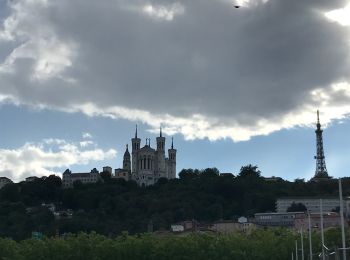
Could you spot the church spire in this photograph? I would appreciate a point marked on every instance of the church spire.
(136, 132)
(172, 142)
(160, 131)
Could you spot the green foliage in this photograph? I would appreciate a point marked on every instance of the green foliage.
(259, 245)
(113, 206)
(277, 244)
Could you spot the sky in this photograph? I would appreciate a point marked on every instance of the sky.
(233, 86)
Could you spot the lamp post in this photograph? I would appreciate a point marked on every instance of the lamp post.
(296, 249)
(310, 235)
(302, 244)
(322, 234)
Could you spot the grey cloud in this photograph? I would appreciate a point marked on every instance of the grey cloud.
(234, 65)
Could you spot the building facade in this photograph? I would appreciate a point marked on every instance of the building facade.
(229, 227)
(147, 165)
(312, 204)
(330, 219)
(277, 219)
(68, 178)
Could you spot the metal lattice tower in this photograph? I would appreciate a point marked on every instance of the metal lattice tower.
(321, 170)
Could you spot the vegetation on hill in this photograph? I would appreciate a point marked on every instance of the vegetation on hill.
(115, 205)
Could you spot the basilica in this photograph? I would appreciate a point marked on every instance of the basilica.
(147, 165)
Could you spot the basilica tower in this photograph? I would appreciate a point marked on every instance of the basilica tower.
(172, 161)
(161, 166)
(135, 150)
(126, 160)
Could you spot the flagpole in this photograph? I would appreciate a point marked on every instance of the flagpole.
(302, 244)
(296, 249)
(322, 234)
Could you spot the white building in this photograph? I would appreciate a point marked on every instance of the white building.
(4, 181)
(177, 228)
(274, 219)
(68, 178)
(147, 165)
(312, 204)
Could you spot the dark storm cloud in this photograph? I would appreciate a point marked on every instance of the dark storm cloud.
(231, 66)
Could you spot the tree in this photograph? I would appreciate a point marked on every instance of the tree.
(187, 174)
(297, 207)
(210, 173)
(249, 171)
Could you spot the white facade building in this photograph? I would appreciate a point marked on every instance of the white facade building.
(4, 181)
(68, 178)
(313, 204)
(147, 165)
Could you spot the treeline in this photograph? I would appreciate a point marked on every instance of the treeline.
(277, 244)
(115, 205)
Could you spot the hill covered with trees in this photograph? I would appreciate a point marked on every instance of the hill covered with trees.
(113, 206)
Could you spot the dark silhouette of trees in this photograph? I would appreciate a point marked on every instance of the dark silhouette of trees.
(114, 206)
(297, 207)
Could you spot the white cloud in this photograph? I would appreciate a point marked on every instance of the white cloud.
(45, 158)
(341, 16)
(86, 143)
(164, 12)
(202, 69)
(86, 135)
(35, 40)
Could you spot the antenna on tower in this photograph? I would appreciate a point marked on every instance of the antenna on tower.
(321, 170)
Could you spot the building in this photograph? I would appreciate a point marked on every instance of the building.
(107, 169)
(188, 225)
(176, 228)
(312, 204)
(68, 178)
(321, 173)
(330, 219)
(125, 172)
(229, 227)
(147, 165)
(4, 181)
(277, 219)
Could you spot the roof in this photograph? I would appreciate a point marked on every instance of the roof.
(81, 174)
(279, 213)
(309, 198)
(147, 148)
